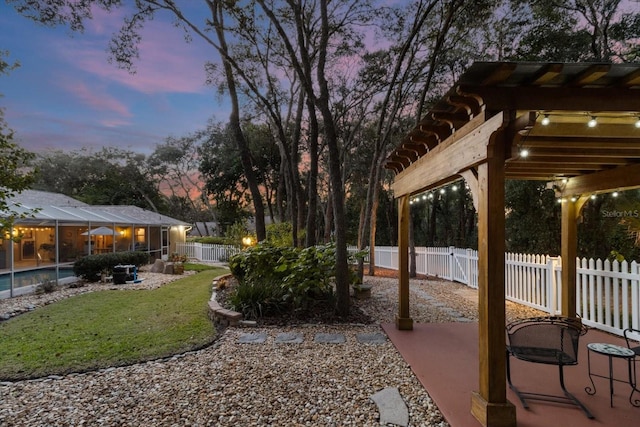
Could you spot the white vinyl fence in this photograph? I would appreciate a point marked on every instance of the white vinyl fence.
(608, 293)
(205, 252)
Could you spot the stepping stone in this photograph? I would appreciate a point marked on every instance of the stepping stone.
(462, 320)
(373, 338)
(391, 407)
(330, 338)
(289, 338)
(257, 338)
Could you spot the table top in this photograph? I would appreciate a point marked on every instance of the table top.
(611, 350)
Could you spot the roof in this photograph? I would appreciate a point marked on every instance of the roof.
(567, 94)
(53, 206)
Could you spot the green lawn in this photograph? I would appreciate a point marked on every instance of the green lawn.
(108, 328)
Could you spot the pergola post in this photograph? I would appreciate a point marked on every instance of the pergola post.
(403, 321)
(490, 405)
(568, 252)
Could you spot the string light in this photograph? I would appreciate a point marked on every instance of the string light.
(545, 120)
(637, 124)
(614, 194)
(593, 122)
(524, 152)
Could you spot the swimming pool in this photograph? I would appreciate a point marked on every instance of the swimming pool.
(29, 278)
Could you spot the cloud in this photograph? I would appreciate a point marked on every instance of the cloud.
(97, 99)
(57, 133)
(167, 63)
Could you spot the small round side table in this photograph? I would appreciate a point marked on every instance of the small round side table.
(612, 351)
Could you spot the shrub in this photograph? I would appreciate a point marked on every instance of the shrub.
(257, 300)
(212, 240)
(280, 234)
(47, 286)
(90, 267)
(259, 263)
(302, 276)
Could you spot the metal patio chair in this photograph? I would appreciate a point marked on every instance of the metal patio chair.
(634, 345)
(549, 340)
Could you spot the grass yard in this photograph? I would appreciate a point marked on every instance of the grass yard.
(108, 328)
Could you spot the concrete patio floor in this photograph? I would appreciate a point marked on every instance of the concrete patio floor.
(444, 357)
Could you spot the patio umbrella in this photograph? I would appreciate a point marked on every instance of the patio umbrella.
(100, 231)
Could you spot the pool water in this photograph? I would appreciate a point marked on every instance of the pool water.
(32, 277)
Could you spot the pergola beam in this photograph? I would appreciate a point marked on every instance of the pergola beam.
(447, 159)
(500, 98)
(621, 178)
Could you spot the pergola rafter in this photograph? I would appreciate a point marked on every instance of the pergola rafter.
(519, 121)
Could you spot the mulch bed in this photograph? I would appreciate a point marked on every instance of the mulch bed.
(322, 312)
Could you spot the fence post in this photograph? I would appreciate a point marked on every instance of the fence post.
(469, 271)
(452, 261)
(552, 286)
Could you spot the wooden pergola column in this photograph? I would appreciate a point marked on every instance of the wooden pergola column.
(490, 405)
(568, 252)
(403, 321)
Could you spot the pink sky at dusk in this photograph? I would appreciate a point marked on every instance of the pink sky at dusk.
(66, 95)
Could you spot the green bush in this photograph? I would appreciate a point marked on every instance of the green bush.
(296, 278)
(212, 240)
(47, 286)
(90, 267)
(257, 300)
(280, 234)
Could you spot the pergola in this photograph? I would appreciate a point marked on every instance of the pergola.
(574, 125)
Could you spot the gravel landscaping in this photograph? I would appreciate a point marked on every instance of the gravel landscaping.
(232, 383)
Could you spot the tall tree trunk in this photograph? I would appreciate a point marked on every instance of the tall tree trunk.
(335, 169)
(236, 128)
(312, 185)
(328, 218)
(372, 234)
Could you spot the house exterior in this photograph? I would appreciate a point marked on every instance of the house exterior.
(64, 229)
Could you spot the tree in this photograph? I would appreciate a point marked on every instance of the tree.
(15, 174)
(595, 30)
(175, 164)
(108, 177)
(222, 173)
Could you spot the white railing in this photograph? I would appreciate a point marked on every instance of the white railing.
(608, 293)
(205, 252)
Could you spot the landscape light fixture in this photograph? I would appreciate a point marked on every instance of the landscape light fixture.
(593, 122)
